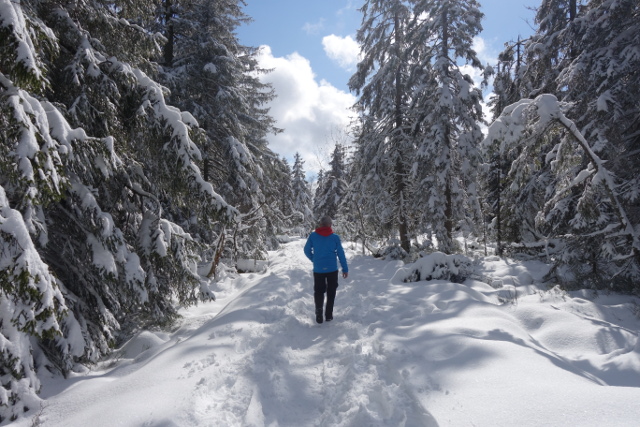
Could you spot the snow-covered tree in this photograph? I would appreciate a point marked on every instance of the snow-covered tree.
(559, 194)
(507, 89)
(99, 168)
(421, 115)
(155, 183)
(601, 84)
(214, 77)
(285, 217)
(507, 77)
(365, 207)
(333, 187)
(547, 51)
(384, 147)
(31, 306)
(446, 115)
(526, 68)
(317, 191)
(587, 198)
(302, 198)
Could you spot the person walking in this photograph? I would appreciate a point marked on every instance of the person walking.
(324, 249)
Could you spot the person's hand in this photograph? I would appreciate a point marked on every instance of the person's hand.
(345, 275)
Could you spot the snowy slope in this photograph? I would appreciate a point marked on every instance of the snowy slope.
(412, 354)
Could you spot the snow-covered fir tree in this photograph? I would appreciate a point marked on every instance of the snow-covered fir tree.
(282, 194)
(507, 89)
(216, 78)
(582, 212)
(302, 197)
(601, 87)
(99, 168)
(446, 116)
(316, 193)
(507, 77)
(420, 118)
(333, 187)
(128, 200)
(384, 147)
(547, 51)
(515, 199)
(32, 306)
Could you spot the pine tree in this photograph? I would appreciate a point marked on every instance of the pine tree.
(385, 145)
(600, 83)
(525, 176)
(134, 200)
(32, 305)
(316, 195)
(565, 197)
(99, 168)
(448, 110)
(283, 195)
(507, 89)
(302, 198)
(215, 78)
(507, 83)
(547, 51)
(333, 187)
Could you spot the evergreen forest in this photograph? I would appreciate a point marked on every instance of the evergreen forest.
(135, 168)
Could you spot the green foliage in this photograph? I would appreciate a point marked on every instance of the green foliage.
(573, 182)
(111, 182)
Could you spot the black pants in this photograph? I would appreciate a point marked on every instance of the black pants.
(325, 282)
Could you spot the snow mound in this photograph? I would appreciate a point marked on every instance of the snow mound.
(142, 344)
(435, 266)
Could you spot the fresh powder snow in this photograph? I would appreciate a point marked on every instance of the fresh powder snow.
(500, 349)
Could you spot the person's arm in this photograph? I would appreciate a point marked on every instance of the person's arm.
(308, 249)
(342, 258)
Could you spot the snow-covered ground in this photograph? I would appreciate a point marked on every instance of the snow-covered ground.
(397, 354)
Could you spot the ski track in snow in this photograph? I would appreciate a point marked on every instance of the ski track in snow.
(397, 354)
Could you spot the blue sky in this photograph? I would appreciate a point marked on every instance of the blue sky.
(311, 46)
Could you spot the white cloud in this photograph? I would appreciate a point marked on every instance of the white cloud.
(343, 50)
(310, 28)
(351, 6)
(485, 52)
(475, 73)
(486, 56)
(310, 112)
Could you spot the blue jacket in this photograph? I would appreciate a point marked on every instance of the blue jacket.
(324, 252)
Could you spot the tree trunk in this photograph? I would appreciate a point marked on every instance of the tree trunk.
(168, 47)
(573, 12)
(448, 196)
(403, 228)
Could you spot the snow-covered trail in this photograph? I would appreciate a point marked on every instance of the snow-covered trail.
(281, 368)
(413, 354)
(262, 360)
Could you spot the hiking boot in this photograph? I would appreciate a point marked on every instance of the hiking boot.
(328, 317)
(319, 316)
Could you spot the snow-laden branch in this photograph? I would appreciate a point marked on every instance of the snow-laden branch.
(31, 304)
(516, 124)
(604, 176)
(13, 21)
(179, 123)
